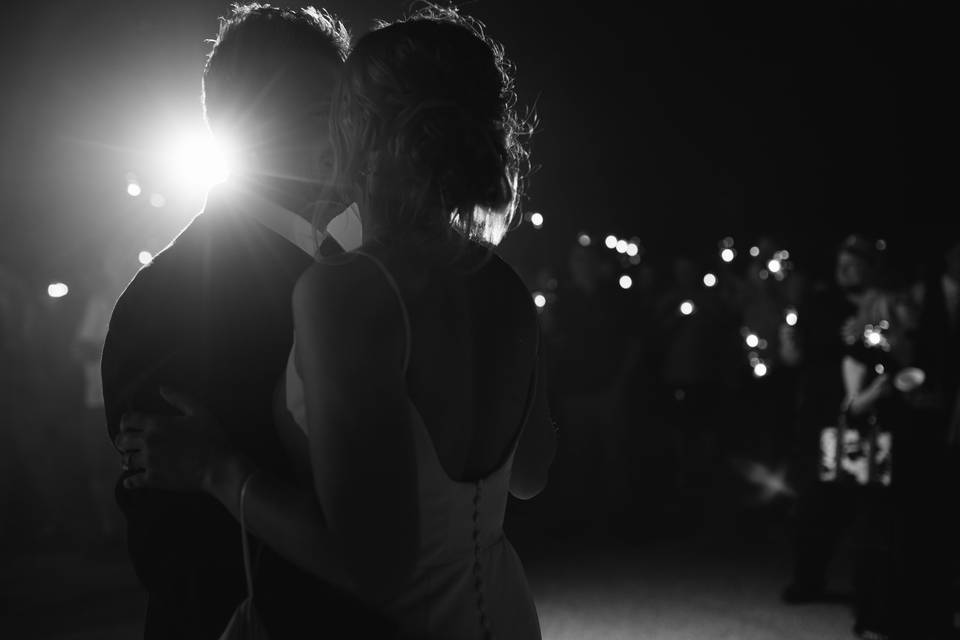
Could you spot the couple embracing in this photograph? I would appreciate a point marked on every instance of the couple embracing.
(331, 358)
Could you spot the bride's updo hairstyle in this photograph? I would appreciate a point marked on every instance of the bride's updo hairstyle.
(425, 134)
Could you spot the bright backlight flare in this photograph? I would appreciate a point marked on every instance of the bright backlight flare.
(198, 160)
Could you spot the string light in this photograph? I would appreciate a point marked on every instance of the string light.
(145, 257)
(610, 242)
(622, 246)
(632, 249)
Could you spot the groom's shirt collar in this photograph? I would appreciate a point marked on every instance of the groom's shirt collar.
(345, 228)
(282, 221)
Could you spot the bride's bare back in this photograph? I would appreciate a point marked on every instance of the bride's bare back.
(472, 354)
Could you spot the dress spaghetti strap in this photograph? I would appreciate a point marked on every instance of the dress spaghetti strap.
(403, 307)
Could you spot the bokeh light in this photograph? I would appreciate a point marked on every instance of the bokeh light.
(584, 239)
(145, 257)
(57, 290)
(133, 189)
(710, 280)
(727, 255)
(622, 246)
(792, 318)
(536, 219)
(610, 242)
(157, 200)
(774, 266)
(687, 308)
(752, 341)
(760, 369)
(539, 300)
(626, 281)
(632, 249)
(754, 251)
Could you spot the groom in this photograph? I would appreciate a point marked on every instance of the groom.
(212, 316)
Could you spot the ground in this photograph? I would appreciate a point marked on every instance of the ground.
(589, 586)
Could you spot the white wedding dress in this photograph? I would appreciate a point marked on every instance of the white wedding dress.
(468, 582)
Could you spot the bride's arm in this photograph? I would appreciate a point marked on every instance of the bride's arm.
(350, 346)
(537, 446)
(190, 452)
(285, 517)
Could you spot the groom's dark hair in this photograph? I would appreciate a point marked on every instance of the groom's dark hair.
(256, 42)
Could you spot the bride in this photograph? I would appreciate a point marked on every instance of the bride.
(414, 399)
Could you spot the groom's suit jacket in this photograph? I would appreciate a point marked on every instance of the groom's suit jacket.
(211, 316)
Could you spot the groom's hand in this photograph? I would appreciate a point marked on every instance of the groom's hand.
(177, 453)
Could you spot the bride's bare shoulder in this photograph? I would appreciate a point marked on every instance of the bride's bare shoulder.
(348, 284)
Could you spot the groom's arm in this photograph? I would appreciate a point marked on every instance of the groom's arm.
(137, 349)
(146, 346)
(152, 327)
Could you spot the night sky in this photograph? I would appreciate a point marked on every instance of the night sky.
(677, 123)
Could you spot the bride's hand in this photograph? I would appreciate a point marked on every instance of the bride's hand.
(178, 453)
